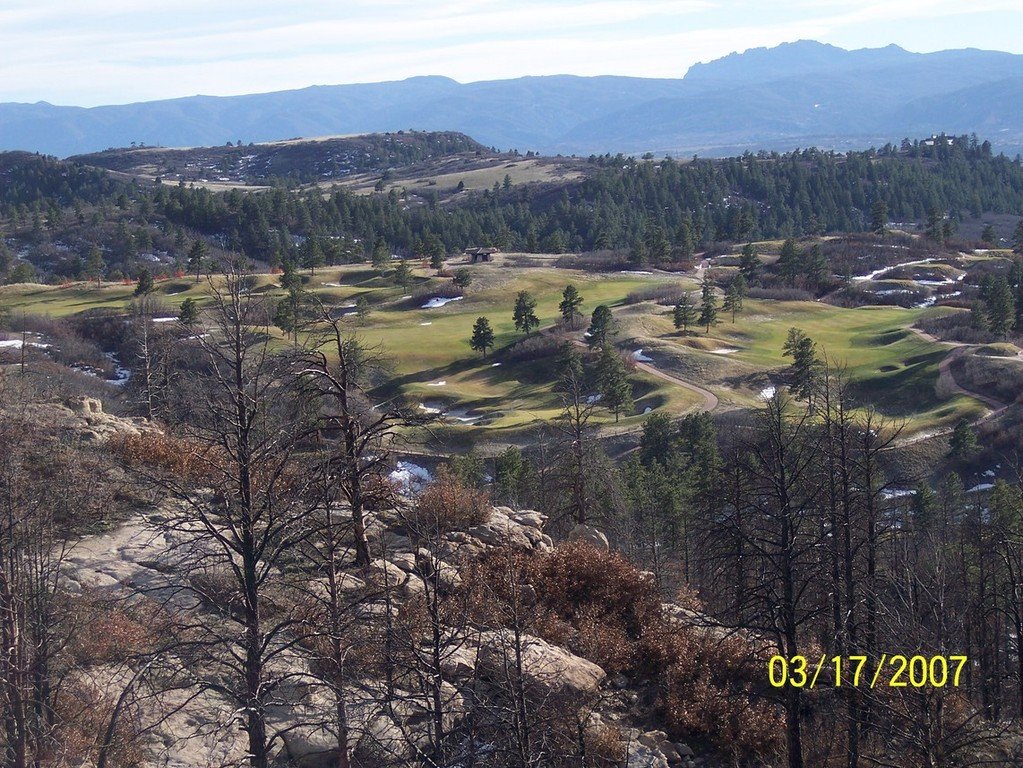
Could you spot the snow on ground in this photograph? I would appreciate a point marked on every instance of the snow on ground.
(635, 272)
(876, 272)
(440, 301)
(16, 344)
(426, 323)
(164, 319)
(897, 493)
(639, 357)
(332, 285)
(981, 487)
(429, 410)
(768, 392)
(593, 399)
(121, 374)
(440, 383)
(495, 365)
(410, 477)
(724, 351)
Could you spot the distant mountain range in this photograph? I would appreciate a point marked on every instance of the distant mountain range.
(795, 95)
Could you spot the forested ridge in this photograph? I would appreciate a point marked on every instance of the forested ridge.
(657, 210)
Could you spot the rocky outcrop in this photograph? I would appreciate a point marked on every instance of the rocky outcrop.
(83, 418)
(546, 668)
(590, 535)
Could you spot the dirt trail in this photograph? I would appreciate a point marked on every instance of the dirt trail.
(710, 400)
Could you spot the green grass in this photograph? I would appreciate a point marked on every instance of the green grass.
(888, 366)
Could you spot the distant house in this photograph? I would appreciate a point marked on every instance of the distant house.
(480, 254)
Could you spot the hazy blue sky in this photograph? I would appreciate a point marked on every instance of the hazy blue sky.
(91, 52)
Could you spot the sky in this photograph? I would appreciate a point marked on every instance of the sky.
(90, 52)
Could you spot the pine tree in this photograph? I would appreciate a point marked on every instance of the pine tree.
(197, 258)
(613, 382)
(482, 336)
(403, 275)
(789, 261)
(571, 300)
(145, 283)
(1017, 239)
(188, 315)
(602, 326)
(805, 364)
(963, 444)
(708, 304)
(879, 216)
(749, 263)
(381, 255)
(312, 255)
(684, 313)
(524, 314)
(94, 265)
(1000, 307)
(988, 236)
(734, 296)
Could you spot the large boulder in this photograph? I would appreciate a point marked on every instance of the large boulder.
(547, 669)
(590, 535)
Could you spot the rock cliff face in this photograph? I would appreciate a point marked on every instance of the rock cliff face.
(83, 418)
(390, 721)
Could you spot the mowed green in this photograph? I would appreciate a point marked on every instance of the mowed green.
(425, 346)
(889, 366)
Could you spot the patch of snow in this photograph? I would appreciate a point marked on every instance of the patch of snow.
(981, 487)
(332, 285)
(593, 399)
(410, 477)
(897, 493)
(639, 357)
(429, 410)
(635, 272)
(495, 365)
(440, 301)
(768, 392)
(164, 319)
(724, 351)
(440, 383)
(647, 410)
(426, 323)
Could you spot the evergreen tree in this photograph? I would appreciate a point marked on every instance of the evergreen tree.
(482, 336)
(94, 265)
(684, 313)
(362, 307)
(197, 258)
(435, 248)
(613, 382)
(988, 236)
(1001, 308)
(805, 367)
(188, 314)
(602, 326)
(816, 266)
(749, 263)
(524, 314)
(879, 216)
(734, 296)
(571, 300)
(312, 255)
(403, 274)
(708, 304)
(963, 444)
(789, 261)
(1017, 239)
(145, 283)
(381, 255)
